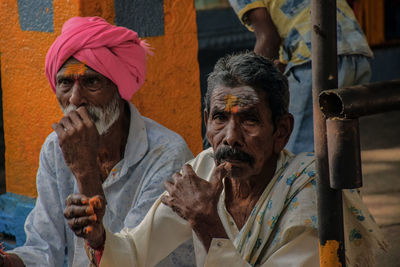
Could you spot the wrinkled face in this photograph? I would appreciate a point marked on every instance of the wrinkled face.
(79, 85)
(240, 130)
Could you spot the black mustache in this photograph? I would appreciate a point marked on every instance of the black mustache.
(228, 153)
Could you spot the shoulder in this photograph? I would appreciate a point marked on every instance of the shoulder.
(299, 162)
(162, 139)
(51, 149)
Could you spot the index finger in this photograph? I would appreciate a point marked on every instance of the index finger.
(76, 199)
(59, 129)
(83, 113)
(187, 170)
(220, 172)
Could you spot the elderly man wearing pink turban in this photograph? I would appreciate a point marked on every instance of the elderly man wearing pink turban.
(94, 68)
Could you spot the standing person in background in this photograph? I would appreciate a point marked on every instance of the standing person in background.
(283, 34)
(94, 68)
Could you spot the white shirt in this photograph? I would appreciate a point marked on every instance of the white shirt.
(152, 154)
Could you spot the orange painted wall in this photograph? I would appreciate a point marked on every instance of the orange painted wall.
(171, 94)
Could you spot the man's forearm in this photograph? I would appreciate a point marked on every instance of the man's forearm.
(267, 36)
(89, 183)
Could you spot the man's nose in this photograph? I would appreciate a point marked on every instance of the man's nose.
(77, 97)
(233, 134)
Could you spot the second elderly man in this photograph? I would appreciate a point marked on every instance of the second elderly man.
(245, 201)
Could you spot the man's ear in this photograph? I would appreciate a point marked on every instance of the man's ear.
(282, 133)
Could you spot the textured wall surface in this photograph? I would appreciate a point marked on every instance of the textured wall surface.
(146, 17)
(36, 15)
(171, 93)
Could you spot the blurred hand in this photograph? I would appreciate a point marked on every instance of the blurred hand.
(85, 217)
(195, 200)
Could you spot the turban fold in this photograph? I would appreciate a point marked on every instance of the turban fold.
(115, 52)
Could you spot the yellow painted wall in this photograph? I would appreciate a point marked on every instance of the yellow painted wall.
(171, 94)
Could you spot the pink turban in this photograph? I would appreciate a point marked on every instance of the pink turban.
(115, 52)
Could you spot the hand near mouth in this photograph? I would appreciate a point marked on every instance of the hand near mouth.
(195, 200)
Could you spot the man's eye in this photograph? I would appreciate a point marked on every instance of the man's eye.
(251, 121)
(92, 83)
(64, 83)
(219, 118)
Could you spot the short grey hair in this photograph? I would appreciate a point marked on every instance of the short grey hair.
(250, 69)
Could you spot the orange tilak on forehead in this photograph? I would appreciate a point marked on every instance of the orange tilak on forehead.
(78, 68)
(231, 103)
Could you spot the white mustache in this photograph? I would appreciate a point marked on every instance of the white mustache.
(103, 118)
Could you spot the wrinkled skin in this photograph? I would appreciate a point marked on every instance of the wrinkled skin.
(267, 37)
(84, 218)
(245, 125)
(188, 194)
(88, 154)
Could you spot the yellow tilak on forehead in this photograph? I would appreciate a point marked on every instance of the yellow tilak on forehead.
(78, 68)
(231, 103)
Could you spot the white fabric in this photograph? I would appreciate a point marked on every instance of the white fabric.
(286, 234)
(152, 154)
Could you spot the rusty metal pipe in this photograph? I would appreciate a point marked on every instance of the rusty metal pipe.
(344, 153)
(324, 76)
(361, 100)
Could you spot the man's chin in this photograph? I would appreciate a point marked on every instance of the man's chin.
(238, 172)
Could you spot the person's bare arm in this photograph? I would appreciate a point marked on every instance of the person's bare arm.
(267, 37)
(79, 142)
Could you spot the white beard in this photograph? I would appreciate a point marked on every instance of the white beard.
(103, 118)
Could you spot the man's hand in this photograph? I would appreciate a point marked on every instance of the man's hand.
(79, 142)
(195, 200)
(85, 217)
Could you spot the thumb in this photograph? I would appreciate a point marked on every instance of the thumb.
(220, 173)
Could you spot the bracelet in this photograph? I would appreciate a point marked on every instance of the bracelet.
(94, 255)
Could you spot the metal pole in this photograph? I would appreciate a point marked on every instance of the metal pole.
(324, 75)
(344, 153)
(361, 100)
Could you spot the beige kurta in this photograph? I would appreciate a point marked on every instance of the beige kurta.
(281, 230)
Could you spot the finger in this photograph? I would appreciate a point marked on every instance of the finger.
(83, 113)
(176, 177)
(81, 222)
(97, 204)
(169, 186)
(167, 200)
(76, 199)
(66, 122)
(74, 211)
(220, 172)
(187, 170)
(76, 120)
(59, 129)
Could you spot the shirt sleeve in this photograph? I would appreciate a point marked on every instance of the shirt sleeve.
(162, 168)
(160, 232)
(242, 6)
(44, 226)
(302, 251)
